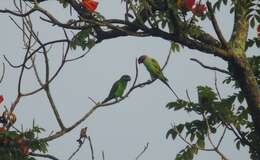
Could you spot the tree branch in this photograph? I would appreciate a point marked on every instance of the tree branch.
(44, 156)
(209, 67)
(215, 148)
(3, 74)
(143, 151)
(215, 25)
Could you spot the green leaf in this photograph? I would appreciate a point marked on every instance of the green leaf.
(83, 39)
(240, 97)
(232, 9)
(257, 42)
(180, 127)
(206, 98)
(258, 11)
(257, 17)
(64, 3)
(249, 43)
(238, 145)
(194, 149)
(192, 136)
(175, 47)
(213, 130)
(172, 132)
(179, 104)
(91, 43)
(189, 154)
(201, 143)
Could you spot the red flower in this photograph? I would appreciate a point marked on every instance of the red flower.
(1, 99)
(199, 9)
(90, 5)
(188, 4)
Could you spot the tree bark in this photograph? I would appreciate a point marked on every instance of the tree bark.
(244, 75)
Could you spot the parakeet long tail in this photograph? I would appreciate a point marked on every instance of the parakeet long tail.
(171, 89)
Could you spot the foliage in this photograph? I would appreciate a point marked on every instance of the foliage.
(83, 39)
(215, 113)
(17, 145)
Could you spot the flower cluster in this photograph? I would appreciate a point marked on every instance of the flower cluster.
(90, 5)
(199, 9)
(8, 138)
(190, 5)
(14, 139)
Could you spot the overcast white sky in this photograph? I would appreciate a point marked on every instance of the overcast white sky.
(122, 130)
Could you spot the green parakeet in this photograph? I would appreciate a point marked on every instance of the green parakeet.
(118, 88)
(155, 70)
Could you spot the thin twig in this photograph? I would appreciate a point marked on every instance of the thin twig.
(93, 100)
(221, 138)
(91, 148)
(216, 86)
(44, 156)
(77, 150)
(215, 25)
(188, 96)
(143, 151)
(167, 59)
(216, 149)
(3, 73)
(103, 155)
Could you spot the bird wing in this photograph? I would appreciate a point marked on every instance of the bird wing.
(156, 65)
(114, 89)
(155, 70)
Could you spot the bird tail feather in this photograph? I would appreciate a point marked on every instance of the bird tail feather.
(175, 94)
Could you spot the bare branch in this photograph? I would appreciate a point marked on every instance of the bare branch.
(167, 59)
(77, 150)
(143, 151)
(79, 57)
(103, 155)
(221, 138)
(209, 67)
(3, 73)
(36, 72)
(43, 156)
(91, 148)
(216, 86)
(215, 25)
(215, 148)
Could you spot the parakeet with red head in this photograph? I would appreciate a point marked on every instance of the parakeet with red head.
(155, 70)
